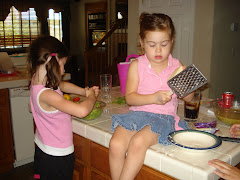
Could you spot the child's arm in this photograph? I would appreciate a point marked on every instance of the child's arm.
(133, 98)
(50, 100)
(68, 87)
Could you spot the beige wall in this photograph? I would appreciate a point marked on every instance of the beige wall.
(203, 32)
(133, 30)
(225, 64)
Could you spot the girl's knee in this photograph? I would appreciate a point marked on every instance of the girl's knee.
(115, 146)
(136, 144)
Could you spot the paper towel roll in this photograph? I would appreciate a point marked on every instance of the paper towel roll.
(6, 65)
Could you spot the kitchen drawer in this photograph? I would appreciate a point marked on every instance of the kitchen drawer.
(99, 158)
(149, 173)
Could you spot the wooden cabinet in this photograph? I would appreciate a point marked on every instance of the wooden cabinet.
(92, 163)
(6, 152)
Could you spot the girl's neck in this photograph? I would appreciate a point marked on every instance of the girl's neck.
(159, 67)
(38, 79)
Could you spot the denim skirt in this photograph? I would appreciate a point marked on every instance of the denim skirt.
(160, 124)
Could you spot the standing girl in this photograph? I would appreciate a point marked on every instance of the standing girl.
(54, 157)
(153, 110)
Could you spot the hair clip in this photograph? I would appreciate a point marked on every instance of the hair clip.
(53, 54)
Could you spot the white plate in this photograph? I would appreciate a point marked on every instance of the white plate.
(194, 140)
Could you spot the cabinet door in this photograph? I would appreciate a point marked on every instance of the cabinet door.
(79, 172)
(99, 158)
(81, 149)
(6, 153)
(92, 163)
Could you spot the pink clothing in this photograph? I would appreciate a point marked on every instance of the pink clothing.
(151, 82)
(54, 128)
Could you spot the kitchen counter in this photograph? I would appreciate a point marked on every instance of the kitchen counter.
(20, 80)
(13, 81)
(171, 160)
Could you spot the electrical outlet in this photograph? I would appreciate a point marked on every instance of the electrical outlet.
(234, 27)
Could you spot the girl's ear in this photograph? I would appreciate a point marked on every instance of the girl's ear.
(140, 46)
(141, 42)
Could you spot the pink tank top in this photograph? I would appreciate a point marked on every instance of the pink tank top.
(151, 82)
(53, 134)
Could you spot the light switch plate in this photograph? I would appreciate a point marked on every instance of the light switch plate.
(234, 27)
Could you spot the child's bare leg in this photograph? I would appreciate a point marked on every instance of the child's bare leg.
(137, 148)
(117, 150)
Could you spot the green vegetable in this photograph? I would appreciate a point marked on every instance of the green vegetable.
(97, 104)
(119, 100)
(96, 112)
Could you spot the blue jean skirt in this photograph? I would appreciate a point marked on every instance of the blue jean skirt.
(160, 124)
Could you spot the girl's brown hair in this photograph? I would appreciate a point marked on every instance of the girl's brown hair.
(38, 53)
(156, 22)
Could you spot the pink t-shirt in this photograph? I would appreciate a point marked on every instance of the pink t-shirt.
(151, 82)
(54, 128)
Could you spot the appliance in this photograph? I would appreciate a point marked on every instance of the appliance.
(22, 126)
(22, 119)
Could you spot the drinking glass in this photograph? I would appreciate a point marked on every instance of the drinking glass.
(106, 86)
(191, 109)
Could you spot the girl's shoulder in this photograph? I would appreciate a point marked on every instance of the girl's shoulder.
(133, 65)
(48, 99)
(142, 60)
(174, 61)
(50, 92)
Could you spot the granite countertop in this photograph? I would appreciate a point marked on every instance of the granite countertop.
(172, 160)
(20, 80)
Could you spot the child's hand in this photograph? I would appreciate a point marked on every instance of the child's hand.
(96, 90)
(89, 91)
(235, 130)
(162, 97)
(225, 170)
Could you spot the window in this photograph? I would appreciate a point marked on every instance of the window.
(55, 24)
(19, 29)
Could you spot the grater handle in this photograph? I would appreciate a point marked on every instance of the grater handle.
(170, 92)
(176, 71)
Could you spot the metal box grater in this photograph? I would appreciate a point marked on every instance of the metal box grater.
(187, 81)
